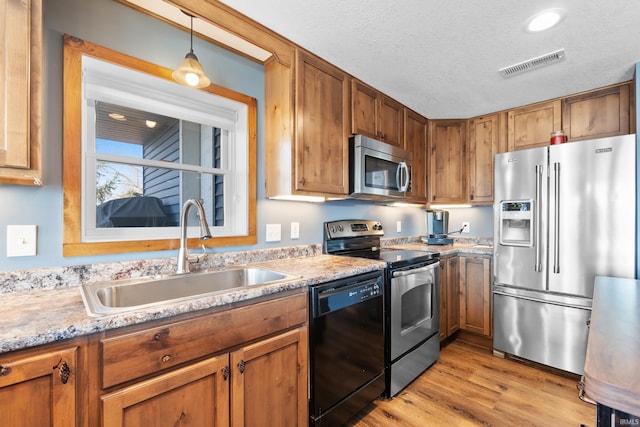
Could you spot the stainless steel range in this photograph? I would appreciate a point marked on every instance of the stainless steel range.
(410, 298)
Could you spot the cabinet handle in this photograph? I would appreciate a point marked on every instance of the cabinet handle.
(241, 366)
(63, 371)
(302, 180)
(166, 358)
(4, 370)
(225, 373)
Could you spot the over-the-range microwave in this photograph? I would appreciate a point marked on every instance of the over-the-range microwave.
(377, 170)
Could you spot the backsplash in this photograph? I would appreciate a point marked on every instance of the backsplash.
(65, 277)
(70, 276)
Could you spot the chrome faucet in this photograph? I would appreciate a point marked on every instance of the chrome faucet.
(184, 259)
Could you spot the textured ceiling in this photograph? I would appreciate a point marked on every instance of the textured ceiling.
(442, 58)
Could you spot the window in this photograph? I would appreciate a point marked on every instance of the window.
(143, 146)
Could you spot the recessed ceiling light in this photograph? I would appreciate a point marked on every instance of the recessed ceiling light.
(545, 20)
(150, 123)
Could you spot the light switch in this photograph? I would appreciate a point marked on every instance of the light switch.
(295, 230)
(274, 232)
(21, 240)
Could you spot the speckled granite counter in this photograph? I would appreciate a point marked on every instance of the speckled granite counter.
(45, 305)
(43, 315)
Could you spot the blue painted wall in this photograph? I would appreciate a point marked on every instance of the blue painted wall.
(110, 24)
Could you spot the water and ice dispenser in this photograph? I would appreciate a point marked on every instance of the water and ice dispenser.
(516, 223)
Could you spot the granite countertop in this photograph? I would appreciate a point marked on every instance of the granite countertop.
(45, 305)
(454, 249)
(40, 316)
(612, 366)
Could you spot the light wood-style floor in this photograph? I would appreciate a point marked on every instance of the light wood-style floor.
(468, 386)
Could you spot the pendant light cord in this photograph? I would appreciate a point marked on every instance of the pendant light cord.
(191, 16)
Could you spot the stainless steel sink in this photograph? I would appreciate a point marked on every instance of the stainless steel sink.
(130, 294)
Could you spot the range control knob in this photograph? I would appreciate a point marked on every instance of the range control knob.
(377, 226)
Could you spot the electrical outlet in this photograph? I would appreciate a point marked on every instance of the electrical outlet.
(466, 227)
(21, 240)
(399, 226)
(295, 230)
(274, 232)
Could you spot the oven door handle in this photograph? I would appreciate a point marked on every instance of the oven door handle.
(411, 271)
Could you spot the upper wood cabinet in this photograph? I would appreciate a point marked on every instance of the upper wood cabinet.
(376, 115)
(531, 126)
(415, 139)
(317, 163)
(484, 142)
(448, 161)
(39, 388)
(597, 114)
(20, 91)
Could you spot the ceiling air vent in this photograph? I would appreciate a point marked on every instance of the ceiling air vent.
(532, 63)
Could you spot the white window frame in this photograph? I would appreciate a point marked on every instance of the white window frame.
(114, 84)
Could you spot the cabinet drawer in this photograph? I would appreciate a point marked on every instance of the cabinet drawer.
(136, 354)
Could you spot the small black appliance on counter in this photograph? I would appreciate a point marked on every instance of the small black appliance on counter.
(437, 228)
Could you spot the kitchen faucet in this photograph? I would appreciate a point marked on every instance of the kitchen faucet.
(184, 259)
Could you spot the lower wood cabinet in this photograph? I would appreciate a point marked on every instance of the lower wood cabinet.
(269, 382)
(475, 295)
(197, 394)
(449, 296)
(38, 388)
(245, 366)
(262, 384)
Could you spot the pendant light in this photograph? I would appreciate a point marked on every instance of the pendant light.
(190, 72)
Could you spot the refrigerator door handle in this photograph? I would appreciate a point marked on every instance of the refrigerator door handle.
(538, 267)
(556, 240)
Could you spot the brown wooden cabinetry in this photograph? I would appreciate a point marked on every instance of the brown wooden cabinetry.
(475, 294)
(416, 141)
(38, 388)
(376, 115)
(597, 114)
(318, 163)
(260, 384)
(531, 126)
(20, 92)
(185, 372)
(270, 385)
(448, 161)
(449, 296)
(484, 142)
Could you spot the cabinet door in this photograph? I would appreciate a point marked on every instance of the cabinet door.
(448, 166)
(483, 145)
(449, 297)
(475, 295)
(364, 110)
(597, 114)
(442, 294)
(39, 390)
(531, 126)
(269, 382)
(20, 88)
(416, 142)
(196, 395)
(391, 122)
(453, 295)
(322, 127)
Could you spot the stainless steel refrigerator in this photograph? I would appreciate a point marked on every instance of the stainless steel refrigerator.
(563, 214)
